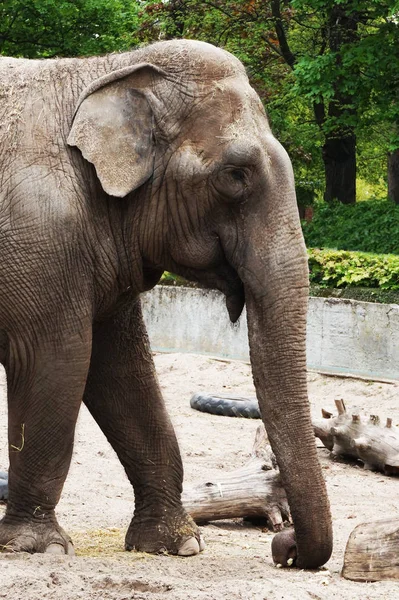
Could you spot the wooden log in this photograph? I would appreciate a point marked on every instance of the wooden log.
(361, 438)
(372, 552)
(253, 491)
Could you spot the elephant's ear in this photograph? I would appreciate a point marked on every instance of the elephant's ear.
(113, 127)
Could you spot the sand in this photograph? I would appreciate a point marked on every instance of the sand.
(97, 505)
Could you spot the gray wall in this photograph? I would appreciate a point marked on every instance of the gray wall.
(343, 335)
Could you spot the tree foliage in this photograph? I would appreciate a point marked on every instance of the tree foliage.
(47, 28)
(363, 69)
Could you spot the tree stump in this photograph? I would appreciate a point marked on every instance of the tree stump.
(372, 552)
(253, 491)
(358, 437)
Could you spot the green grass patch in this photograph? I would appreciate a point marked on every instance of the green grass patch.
(172, 279)
(371, 226)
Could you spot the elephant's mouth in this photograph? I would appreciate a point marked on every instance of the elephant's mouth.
(223, 278)
(233, 289)
(235, 304)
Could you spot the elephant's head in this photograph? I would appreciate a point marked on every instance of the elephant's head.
(186, 138)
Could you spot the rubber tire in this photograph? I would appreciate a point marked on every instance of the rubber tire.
(3, 485)
(225, 405)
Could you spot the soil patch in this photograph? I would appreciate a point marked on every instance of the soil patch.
(97, 504)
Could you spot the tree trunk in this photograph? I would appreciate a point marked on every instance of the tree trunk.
(339, 149)
(339, 156)
(393, 176)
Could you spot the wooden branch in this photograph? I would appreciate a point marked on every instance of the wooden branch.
(358, 437)
(289, 57)
(253, 491)
(372, 552)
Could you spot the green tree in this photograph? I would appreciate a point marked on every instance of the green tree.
(47, 28)
(377, 89)
(352, 78)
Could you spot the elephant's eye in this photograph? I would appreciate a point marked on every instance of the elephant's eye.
(233, 183)
(238, 175)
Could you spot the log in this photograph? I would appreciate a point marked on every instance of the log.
(361, 438)
(253, 491)
(372, 552)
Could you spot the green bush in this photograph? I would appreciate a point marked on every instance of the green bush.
(338, 268)
(371, 226)
(306, 192)
(172, 279)
(340, 273)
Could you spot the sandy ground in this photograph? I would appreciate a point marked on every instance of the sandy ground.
(97, 504)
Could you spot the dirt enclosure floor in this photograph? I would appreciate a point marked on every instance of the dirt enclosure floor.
(97, 505)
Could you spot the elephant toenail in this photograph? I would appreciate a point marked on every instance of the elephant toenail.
(202, 544)
(55, 549)
(189, 548)
(70, 549)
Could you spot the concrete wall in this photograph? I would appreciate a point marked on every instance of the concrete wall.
(343, 335)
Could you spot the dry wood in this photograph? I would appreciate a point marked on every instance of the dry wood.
(253, 491)
(372, 552)
(352, 435)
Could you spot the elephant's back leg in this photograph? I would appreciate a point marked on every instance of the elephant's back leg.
(123, 395)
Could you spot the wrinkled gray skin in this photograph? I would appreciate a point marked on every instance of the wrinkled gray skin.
(113, 169)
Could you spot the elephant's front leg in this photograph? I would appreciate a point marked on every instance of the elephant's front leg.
(46, 375)
(123, 395)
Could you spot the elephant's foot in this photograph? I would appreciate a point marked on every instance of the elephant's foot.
(21, 535)
(175, 533)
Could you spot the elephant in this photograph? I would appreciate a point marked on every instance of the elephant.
(113, 169)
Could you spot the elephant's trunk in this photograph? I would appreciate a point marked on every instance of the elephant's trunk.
(276, 310)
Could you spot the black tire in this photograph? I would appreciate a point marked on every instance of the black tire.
(225, 405)
(3, 485)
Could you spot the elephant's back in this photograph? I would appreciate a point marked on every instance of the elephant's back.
(14, 77)
(23, 96)
(35, 114)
